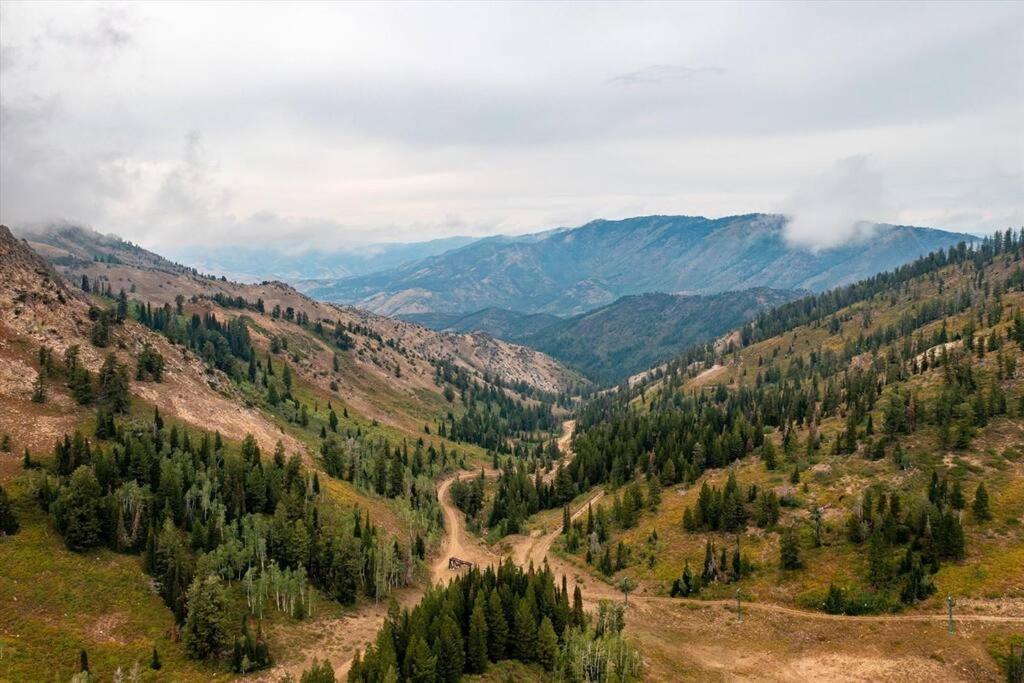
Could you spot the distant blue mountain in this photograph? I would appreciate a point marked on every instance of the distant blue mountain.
(256, 263)
(570, 271)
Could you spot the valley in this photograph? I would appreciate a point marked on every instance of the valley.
(429, 342)
(416, 410)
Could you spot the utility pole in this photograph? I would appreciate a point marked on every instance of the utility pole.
(949, 604)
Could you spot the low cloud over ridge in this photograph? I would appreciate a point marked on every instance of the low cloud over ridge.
(837, 207)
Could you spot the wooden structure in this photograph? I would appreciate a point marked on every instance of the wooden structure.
(456, 563)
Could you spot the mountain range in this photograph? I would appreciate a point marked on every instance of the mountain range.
(613, 342)
(571, 271)
(253, 263)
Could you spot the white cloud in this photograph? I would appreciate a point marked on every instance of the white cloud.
(376, 122)
(838, 206)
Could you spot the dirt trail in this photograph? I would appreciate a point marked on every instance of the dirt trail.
(458, 542)
(688, 638)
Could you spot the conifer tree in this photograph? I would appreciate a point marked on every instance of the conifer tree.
(476, 643)
(547, 645)
(113, 385)
(420, 665)
(39, 389)
(578, 616)
(79, 508)
(449, 650)
(8, 519)
(789, 550)
(980, 506)
(524, 632)
(205, 632)
(768, 454)
(322, 672)
(497, 627)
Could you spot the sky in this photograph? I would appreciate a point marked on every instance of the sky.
(333, 124)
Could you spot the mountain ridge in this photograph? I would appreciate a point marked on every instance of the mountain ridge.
(627, 336)
(571, 271)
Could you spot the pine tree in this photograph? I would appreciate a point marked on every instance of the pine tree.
(205, 631)
(497, 627)
(79, 508)
(789, 550)
(768, 454)
(449, 651)
(578, 616)
(476, 643)
(980, 507)
(956, 497)
(420, 665)
(154, 661)
(80, 383)
(39, 390)
(113, 385)
(321, 672)
(547, 645)
(524, 633)
(8, 519)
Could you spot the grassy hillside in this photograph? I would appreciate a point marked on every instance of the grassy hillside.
(345, 407)
(906, 388)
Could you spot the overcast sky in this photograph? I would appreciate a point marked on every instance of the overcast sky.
(332, 124)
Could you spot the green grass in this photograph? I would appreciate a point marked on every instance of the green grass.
(57, 603)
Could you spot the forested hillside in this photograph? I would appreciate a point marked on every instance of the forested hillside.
(268, 462)
(623, 338)
(855, 451)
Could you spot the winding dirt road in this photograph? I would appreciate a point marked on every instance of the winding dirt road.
(688, 638)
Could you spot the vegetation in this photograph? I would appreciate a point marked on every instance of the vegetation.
(484, 617)
(924, 357)
(205, 516)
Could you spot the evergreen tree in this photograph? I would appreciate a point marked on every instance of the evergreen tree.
(768, 455)
(78, 510)
(154, 660)
(497, 627)
(205, 631)
(980, 506)
(547, 645)
(113, 385)
(578, 617)
(420, 665)
(39, 390)
(449, 650)
(319, 672)
(956, 497)
(80, 383)
(789, 550)
(476, 643)
(8, 519)
(524, 632)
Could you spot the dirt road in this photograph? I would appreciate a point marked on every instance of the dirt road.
(457, 541)
(702, 639)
